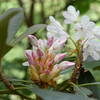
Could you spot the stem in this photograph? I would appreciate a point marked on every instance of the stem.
(16, 93)
(11, 89)
(90, 84)
(7, 91)
(78, 65)
(4, 80)
(73, 42)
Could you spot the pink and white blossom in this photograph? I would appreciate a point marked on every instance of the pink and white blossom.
(44, 57)
(55, 29)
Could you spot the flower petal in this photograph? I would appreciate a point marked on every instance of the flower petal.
(66, 64)
(32, 39)
(39, 52)
(59, 57)
(25, 63)
(50, 41)
(70, 15)
(29, 54)
(55, 29)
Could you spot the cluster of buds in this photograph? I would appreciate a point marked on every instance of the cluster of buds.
(43, 60)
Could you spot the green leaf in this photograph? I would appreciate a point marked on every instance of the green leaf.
(30, 30)
(91, 64)
(9, 24)
(14, 25)
(55, 95)
(86, 77)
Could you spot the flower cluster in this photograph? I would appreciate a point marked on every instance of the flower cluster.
(46, 54)
(45, 60)
(86, 31)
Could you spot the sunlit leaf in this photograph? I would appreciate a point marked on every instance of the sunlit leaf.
(9, 24)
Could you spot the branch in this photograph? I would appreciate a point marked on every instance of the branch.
(31, 13)
(15, 92)
(11, 89)
(78, 65)
(21, 4)
(42, 11)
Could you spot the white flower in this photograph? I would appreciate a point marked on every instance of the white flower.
(84, 29)
(92, 48)
(96, 32)
(55, 29)
(70, 15)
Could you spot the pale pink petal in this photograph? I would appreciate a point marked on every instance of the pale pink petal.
(50, 63)
(42, 44)
(59, 57)
(30, 57)
(57, 45)
(39, 52)
(55, 68)
(66, 64)
(50, 41)
(33, 40)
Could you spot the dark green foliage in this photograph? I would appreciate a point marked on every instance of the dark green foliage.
(87, 77)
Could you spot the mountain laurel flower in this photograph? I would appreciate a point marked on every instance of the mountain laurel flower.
(70, 15)
(92, 49)
(96, 31)
(86, 29)
(44, 66)
(55, 29)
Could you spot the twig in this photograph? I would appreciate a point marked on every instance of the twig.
(6, 82)
(21, 4)
(31, 13)
(10, 87)
(78, 65)
(16, 93)
(42, 11)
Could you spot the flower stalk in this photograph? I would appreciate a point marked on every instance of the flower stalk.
(78, 65)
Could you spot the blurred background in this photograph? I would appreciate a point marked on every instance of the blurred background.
(36, 12)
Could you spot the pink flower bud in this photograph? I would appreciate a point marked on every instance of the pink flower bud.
(33, 40)
(50, 63)
(30, 57)
(59, 57)
(39, 52)
(50, 41)
(66, 64)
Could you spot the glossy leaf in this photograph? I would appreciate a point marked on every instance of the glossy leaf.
(91, 64)
(55, 95)
(87, 77)
(9, 24)
(30, 30)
